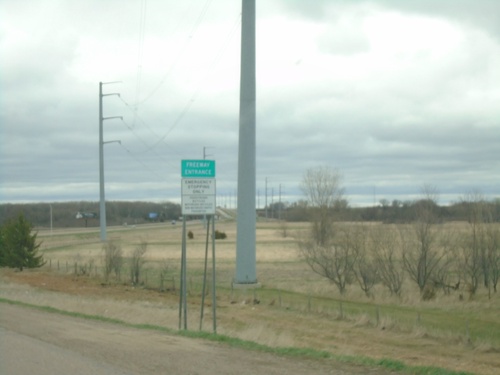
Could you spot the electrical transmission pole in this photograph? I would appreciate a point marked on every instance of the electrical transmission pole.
(102, 202)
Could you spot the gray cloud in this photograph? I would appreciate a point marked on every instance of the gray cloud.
(345, 84)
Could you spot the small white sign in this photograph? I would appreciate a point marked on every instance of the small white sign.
(198, 196)
(198, 186)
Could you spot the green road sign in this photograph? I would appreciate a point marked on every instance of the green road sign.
(198, 168)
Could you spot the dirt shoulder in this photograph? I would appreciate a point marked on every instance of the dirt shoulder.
(115, 349)
(264, 324)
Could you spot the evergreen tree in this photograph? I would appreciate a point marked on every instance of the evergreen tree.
(19, 247)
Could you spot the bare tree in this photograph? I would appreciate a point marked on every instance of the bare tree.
(137, 261)
(323, 190)
(421, 255)
(326, 251)
(493, 251)
(322, 186)
(470, 262)
(334, 261)
(387, 258)
(447, 271)
(474, 250)
(283, 224)
(364, 269)
(164, 270)
(113, 259)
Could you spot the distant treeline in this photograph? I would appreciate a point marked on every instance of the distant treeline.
(386, 211)
(82, 214)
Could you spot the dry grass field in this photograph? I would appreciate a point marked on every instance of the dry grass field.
(293, 308)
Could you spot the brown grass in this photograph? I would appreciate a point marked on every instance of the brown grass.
(295, 322)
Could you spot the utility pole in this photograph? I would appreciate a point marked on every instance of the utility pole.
(258, 199)
(204, 158)
(272, 203)
(102, 202)
(205, 152)
(265, 200)
(246, 273)
(279, 206)
(50, 204)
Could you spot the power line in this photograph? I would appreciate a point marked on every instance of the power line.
(140, 52)
(179, 55)
(187, 107)
(145, 143)
(131, 128)
(194, 96)
(160, 177)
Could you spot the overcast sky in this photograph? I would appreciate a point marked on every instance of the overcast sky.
(394, 94)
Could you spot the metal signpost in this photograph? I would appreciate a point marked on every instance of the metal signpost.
(198, 199)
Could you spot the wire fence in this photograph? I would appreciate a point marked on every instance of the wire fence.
(459, 325)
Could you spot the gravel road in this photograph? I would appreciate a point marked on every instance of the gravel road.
(42, 343)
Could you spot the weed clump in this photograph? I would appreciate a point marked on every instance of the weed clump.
(220, 235)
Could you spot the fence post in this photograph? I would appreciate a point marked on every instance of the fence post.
(467, 332)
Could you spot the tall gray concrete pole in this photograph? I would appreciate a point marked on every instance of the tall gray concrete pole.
(102, 204)
(246, 218)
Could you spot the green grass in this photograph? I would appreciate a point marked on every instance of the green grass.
(480, 324)
(307, 293)
(436, 321)
(305, 353)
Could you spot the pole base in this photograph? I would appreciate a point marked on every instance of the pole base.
(245, 286)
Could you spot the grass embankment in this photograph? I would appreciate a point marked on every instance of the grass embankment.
(307, 308)
(307, 353)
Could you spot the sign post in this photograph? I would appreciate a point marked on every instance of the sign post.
(198, 199)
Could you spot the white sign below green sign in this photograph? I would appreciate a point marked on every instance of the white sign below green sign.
(198, 187)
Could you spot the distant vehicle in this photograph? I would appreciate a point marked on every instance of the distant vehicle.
(173, 222)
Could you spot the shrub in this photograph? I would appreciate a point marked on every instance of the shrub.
(137, 261)
(190, 235)
(220, 235)
(429, 292)
(113, 259)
